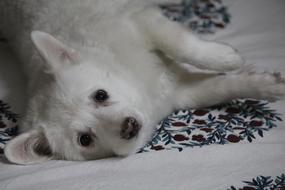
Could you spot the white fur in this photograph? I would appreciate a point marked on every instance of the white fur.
(125, 47)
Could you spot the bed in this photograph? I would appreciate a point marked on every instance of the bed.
(238, 145)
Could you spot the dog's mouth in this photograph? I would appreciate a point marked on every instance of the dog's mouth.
(130, 128)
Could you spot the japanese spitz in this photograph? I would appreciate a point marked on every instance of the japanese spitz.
(103, 73)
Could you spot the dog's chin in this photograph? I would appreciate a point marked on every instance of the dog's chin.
(129, 147)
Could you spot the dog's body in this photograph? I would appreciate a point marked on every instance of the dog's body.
(105, 95)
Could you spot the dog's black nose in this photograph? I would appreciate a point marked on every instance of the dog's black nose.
(130, 128)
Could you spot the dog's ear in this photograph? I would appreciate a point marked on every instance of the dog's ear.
(28, 148)
(56, 54)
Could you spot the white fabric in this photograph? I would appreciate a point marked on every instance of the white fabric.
(258, 32)
(212, 167)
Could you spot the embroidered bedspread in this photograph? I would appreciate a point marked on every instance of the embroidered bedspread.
(238, 145)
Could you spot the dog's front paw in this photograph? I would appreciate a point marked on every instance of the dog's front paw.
(231, 59)
(222, 57)
(130, 128)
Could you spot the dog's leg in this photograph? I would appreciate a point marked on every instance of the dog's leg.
(223, 88)
(179, 43)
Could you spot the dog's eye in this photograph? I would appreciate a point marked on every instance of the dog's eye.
(85, 140)
(100, 96)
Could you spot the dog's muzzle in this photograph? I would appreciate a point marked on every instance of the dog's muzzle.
(130, 128)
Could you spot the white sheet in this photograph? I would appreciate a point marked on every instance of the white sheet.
(258, 32)
(212, 167)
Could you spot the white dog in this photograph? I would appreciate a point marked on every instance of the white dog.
(108, 72)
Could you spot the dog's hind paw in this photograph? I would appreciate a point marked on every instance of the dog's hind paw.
(272, 86)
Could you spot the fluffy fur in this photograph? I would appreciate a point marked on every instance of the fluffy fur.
(129, 49)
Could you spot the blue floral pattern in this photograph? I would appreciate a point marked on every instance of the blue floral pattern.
(8, 124)
(263, 183)
(240, 120)
(202, 16)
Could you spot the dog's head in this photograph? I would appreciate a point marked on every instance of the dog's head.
(88, 109)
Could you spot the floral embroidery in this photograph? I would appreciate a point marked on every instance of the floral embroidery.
(8, 124)
(264, 183)
(202, 16)
(240, 120)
